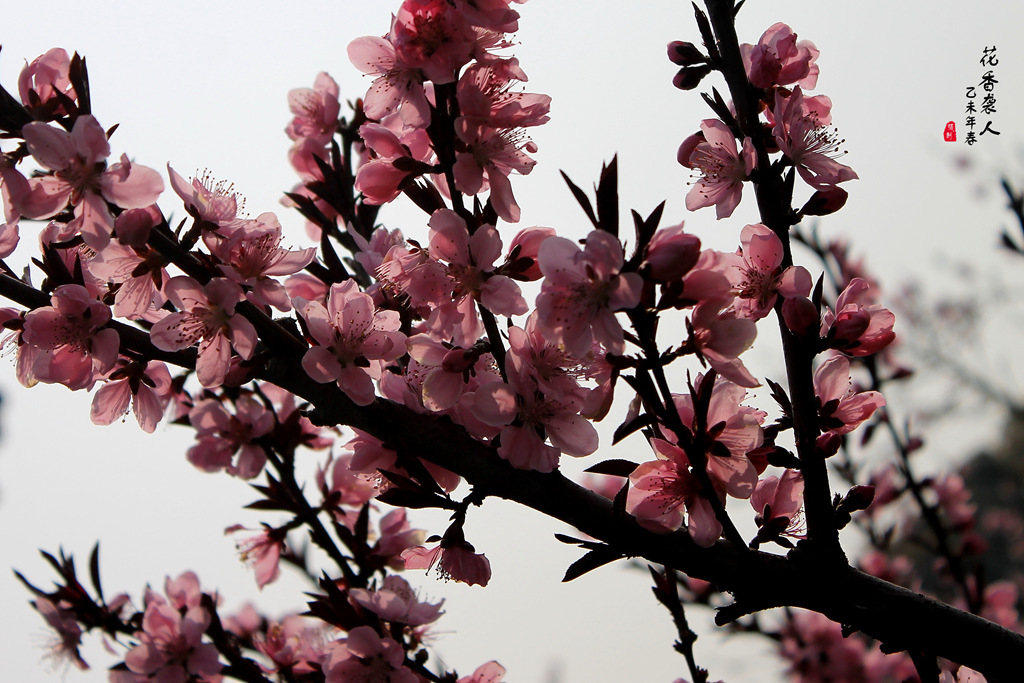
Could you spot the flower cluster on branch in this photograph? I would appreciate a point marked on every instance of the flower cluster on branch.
(424, 371)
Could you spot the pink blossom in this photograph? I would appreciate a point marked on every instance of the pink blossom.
(372, 252)
(484, 93)
(396, 602)
(306, 286)
(262, 550)
(206, 315)
(183, 592)
(15, 192)
(491, 672)
(758, 276)
(491, 154)
(383, 176)
(366, 657)
(60, 241)
(801, 316)
(69, 633)
(454, 559)
(80, 177)
(735, 430)
(582, 290)
(170, 648)
(723, 168)
(527, 416)
(351, 335)
(139, 272)
(840, 409)
(44, 83)
(409, 271)
(221, 435)
(145, 385)
(811, 146)
(252, 256)
(898, 570)
(604, 486)
(396, 535)
(78, 345)
(445, 372)
(470, 263)
(245, 623)
(292, 645)
(661, 491)
(777, 502)
(963, 675)
(705, 281)
(954, 499)
(341, 486)
(316, 110)
(493, 15)
(1000, 600)
(817, 652)
(778, 496)
(299, 429)
(207, 199)
(860, 328)
(533, 353)
(434, 37)
(778, 59)
(491, 128)
(398, 85)
(721, 336)
(133, 226)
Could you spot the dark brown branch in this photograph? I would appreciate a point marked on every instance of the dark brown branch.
(889, 613)
(894, 615)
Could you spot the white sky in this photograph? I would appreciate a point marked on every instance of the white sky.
(204, 85)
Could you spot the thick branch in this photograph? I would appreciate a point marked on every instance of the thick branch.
(894, 615)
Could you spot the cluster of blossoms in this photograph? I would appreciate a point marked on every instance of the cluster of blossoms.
(433, 47)
(783, 68)
(437, 331)
(109, 253)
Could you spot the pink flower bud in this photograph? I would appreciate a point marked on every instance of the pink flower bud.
(460, 360)
(40, 82)
(689, 77)
(528, 241)
(684, 54)
(859, 497)
(825, 201)
(828, 444)
(800, 315)
(849, 326)
(671, 254)
(859, 327)
(133, 226)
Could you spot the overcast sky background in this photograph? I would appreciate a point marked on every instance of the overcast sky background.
(204, 85)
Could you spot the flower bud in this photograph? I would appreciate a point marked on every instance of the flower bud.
(828, 444)
(460, 360)
(824, 202)
(133, 226)
(523, 251)
(858, 498)
(671, 254)
(801, 316)
(685, 54)
(689, 77)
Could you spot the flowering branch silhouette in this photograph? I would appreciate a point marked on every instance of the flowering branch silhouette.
(427, 352)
